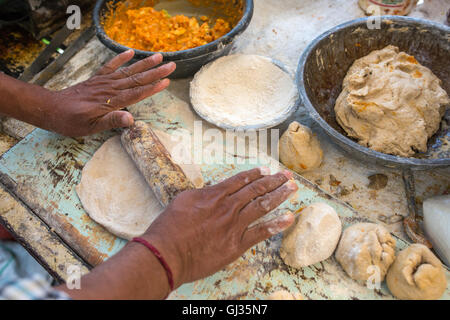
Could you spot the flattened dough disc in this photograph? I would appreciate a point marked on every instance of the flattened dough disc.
(115, 194)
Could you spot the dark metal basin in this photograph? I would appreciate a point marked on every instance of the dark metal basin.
(327, 59)
(188, 61)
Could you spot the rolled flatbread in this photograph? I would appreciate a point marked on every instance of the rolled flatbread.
(115, 194)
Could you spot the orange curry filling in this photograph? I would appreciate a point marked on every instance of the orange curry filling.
(145, 28)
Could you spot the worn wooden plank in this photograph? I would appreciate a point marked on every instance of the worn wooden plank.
(38, 238)
(44, 170)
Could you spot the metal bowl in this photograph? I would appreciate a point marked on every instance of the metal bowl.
(188, 61)
(325, 63)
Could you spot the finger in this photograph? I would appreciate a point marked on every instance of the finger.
(259, 188)
(116, 62)
(134, 95)
(265, 204)
(113, 120)
(266, 230)
(242, 179)
(144, 78)
(140, 66)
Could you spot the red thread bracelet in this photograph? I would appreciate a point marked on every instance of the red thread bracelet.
(159, 257)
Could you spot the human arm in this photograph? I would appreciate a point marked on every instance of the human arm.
(90, 106)
(201, 232)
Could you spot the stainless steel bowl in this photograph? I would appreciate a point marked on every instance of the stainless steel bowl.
(325, 63)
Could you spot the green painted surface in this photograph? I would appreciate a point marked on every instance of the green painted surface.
(44, 168)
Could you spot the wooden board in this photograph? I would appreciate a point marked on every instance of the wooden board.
(44, 168)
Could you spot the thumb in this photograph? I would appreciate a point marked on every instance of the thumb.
(113, 120)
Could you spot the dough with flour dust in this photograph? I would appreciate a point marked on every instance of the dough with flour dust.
(417, 274)
(364, 245)
(299, 149)
(390, 103)
(115, 194)
(242, 90)
(313, 237)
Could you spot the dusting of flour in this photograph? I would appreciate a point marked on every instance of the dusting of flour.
(242, 90)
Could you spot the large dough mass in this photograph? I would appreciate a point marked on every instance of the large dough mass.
(115, 194)
(390, 103)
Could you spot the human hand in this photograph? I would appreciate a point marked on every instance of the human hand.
(204, 230)
(94, 105)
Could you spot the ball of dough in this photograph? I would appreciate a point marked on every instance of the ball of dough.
(299, 149)
(285, 295)
(364, 245)
(313, 237)
(417, 274)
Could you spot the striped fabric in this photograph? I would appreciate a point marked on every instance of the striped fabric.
(34, 288)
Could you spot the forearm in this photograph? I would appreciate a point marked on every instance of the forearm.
(23, 101)
(133, 273)
(198, 234)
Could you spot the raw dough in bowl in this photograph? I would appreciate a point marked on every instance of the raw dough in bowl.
(390, 103)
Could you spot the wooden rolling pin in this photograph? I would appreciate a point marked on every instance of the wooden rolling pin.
(166, 178)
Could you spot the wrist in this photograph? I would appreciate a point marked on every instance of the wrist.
(43, 113)
(157, 287)
(133, 273)
(50, 115)
(24, 101)
(171, 255)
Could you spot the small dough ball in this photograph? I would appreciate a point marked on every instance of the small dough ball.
(417, 274)
(364, 245)
(285, 295)
(299, 149)
(313, 237)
